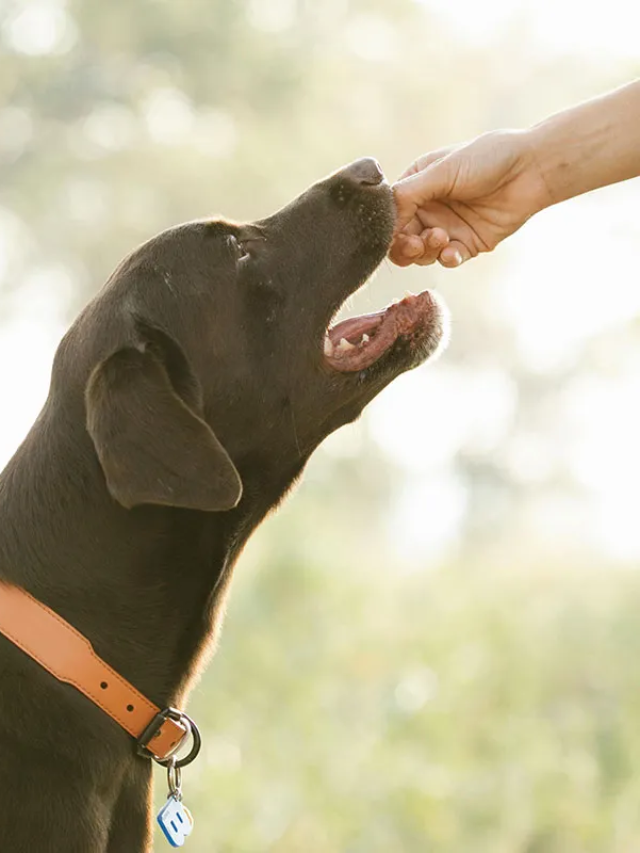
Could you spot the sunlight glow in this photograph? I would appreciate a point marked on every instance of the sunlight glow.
(40, 27)
(556, 26)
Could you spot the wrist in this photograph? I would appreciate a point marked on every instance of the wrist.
(535, 189)
(565, 155)
(539, 161)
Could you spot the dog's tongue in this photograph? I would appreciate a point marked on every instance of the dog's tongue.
(358, 342)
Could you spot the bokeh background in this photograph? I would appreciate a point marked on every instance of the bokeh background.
(434, 645)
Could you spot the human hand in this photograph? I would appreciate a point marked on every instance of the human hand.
(456, 202)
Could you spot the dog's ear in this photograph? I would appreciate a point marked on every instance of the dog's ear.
(153, 447)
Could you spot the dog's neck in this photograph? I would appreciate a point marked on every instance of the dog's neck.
(145, 585)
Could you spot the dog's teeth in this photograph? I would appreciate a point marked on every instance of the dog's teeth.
(344, 345)
(328, 347)
(365, 339)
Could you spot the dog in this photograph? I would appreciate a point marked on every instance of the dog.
(184, 402)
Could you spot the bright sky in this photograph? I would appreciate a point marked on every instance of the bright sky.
(557, 287)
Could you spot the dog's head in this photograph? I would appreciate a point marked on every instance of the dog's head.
(211, 350)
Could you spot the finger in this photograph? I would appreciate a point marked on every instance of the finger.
(413, 193)
(406, 213)
(435, 238)
(434, 242)
(413, 250)
(421, 249)
(463, 241)
(425, 160)
(415, 226)
(406, 249)
(454, 254)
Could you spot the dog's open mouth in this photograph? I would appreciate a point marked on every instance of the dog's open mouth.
(358, 342)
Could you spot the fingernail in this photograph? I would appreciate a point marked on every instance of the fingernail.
(457, 258)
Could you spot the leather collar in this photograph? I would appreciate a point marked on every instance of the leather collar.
(69, 656)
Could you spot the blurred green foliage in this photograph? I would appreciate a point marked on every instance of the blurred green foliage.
(358, 702)
(470, 709)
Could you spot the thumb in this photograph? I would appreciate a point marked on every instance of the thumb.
(415, 191)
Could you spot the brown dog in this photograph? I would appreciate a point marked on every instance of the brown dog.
(185, 400)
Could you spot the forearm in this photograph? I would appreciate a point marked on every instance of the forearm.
(588, 146)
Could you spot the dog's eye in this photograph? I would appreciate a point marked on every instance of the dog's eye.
(238, 249)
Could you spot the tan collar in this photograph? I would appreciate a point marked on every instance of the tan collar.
(69, 656)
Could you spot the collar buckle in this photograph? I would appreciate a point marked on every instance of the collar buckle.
(154, 728)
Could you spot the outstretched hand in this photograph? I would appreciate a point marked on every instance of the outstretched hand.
(456, 202)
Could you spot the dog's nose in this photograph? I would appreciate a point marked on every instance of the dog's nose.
(365, 171)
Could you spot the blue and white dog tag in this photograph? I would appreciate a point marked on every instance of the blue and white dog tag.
(175, 821)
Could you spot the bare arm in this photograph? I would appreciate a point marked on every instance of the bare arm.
(591, 145)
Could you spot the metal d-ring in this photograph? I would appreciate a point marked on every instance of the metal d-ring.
(156, 724)
(192, 730)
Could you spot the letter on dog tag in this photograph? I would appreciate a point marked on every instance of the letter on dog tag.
(175, 821)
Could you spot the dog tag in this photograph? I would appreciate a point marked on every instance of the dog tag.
(175, 821)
